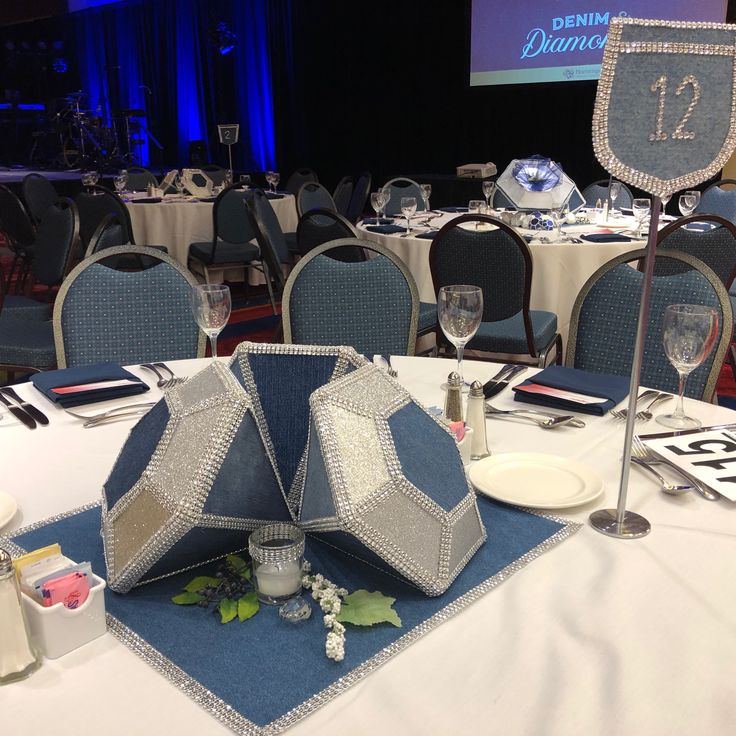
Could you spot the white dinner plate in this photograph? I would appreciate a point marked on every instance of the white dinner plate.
(8, 507)
(536, 480)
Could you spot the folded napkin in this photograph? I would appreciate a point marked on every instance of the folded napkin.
(386, 229)
(701, 227)
(454, 209)
(88, 375)
(206, 199)
(605, 237)
(427, 235)
(610, 389)
(145, 200)
(378, 221)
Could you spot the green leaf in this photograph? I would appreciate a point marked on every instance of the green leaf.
(228, 610)
(366, 609)
(239, 565)
(186, 599)
(201, 582)
(248, 606)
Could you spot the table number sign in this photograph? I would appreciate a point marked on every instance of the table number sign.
(709, 456)
(229, 134)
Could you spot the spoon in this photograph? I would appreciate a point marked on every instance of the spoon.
(667, 487)
(572, 421)
(551, 422)
(646, 415)
(162, 382)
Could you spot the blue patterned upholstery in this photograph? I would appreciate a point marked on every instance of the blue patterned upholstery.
(94, 205)
(398, 188)
(370, 305)
(427, 317)
(26, 343)
(499, 262)
(342, 195)
(599, 191)
(139, 179)
(23, 308)
(320, 226)
(717, 201)
(605, 316)
(39, 194)
(104, 315)
(312, 196)
(298, 178)
(359, 197)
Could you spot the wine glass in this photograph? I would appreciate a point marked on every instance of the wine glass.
(665, 198)
(179, 184)
(613, 192)
(245, 180)
(377, 203)
(695, 193)
(426, 193)
(474, 208)
(460, 310)
(120, 181)
(689, 332)
(687, 204)
(489, 188)
(559, 215)
(211, 306)
(273, 178)
(386, 199)
(408, 208)
(641, 208)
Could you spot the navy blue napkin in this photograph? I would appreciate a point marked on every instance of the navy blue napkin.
(454, 209)
(427, 235)
(605, 237)
(378, 221)
(49, 380)
(386, 229)
(701, 227)
(145, 200)
(611, 389)
(206, 199)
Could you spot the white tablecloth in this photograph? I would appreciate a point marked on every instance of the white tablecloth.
(560, 268)
(597, 636)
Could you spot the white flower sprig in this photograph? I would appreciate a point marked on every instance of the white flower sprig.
(330, 598)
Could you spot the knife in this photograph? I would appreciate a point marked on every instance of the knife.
(16, 411)
(37, 414)
(501, 380)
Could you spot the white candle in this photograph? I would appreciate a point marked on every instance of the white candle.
(278, 580)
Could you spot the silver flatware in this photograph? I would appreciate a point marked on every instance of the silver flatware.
(643, 396)
(142, 408)
(113, 418)
(666, 486)
(551, 421)
(646, 414)
(573, 421)
(502, 379)
(36, 413)
(174, 380)
(18, 413)
(162, 382)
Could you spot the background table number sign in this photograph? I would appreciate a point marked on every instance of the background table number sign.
(663, 121)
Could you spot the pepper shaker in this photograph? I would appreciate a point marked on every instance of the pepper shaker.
(477, 421)
(454, 398)
(18, 656)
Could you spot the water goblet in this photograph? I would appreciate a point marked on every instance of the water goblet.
(489, 188)
(686, 204)
(386, 192)
(474, 208)
(245, 180)
(179, 184)
(460, 310)
(641, 209)
(269, 179)
(377, 203)
(211, 306)
(426, 193)
(689, 332)
(408, 208)
(120, 181)
(665, 199)
(695, 193)
(613, 192)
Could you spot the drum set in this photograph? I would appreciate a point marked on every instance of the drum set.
(78, 138)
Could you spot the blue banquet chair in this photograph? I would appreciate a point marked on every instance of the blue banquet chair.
(232, 243)
(139, 179)
(370, 305)
(16, 226)
(359, 197)
(718, 201)
(321, 226)
(598, 190)
(397, 188)
(343, 194)
(311, 196)
(96, 202)
(298, 178)
(39, 194)
(498, 260)
(605, 316)
(105, 315)
(216, 173)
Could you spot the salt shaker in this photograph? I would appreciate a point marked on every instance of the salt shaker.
(476, 420)
(454, 398)
(18, 656)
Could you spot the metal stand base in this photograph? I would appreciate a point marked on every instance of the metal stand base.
(632, 527)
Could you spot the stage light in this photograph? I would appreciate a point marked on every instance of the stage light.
(59, 65)
(223, 39)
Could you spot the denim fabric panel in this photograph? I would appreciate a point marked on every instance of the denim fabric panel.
(136, 453)
(128, 317)
(245, 485)
(508, 336)
(365, 305)
(717, 201)
(27, 342)
(716, 248)
(285, 383)
(285, 664)
(233, 225)
(608, 320)
(429, 456)
(318, 502)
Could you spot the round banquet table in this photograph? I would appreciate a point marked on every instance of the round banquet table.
(178, 222)
(596, 636)
(560, 268)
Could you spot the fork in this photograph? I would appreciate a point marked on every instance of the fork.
(643, 396)
(175, 380)
(646, 415)
(641, 456)
(138, 408)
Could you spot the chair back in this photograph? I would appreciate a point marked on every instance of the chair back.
(342, 194)
(270, 237)
(39, 194)
(371, 305)
(216, 173)
(401, 187)
(105, 315)
(312, 196)
(598, 190)
(298, 178)
(717, 201)
(321, 226)
(361, 190)
(230, 217)
(605, 315)
(139, 179)
(716, 247)
(93, 205)
(57, 237)
(109, 233)
(14, 219)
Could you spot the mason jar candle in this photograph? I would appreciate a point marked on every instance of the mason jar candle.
(277, 551)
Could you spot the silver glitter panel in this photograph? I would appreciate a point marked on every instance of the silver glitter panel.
(466, 530)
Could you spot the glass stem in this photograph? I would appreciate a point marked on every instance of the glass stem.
(408, 229)
(213, 345)
(460, 350)
(680, 408)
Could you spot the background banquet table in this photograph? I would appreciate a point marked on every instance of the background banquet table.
(560, 268)
(596, 636)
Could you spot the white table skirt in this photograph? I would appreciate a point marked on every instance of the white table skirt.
(560, 269)
(597, 636)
